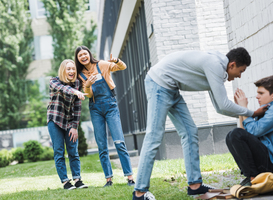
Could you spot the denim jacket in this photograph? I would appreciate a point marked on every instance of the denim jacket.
(262, 128)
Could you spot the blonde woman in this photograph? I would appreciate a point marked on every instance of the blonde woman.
(63, 115)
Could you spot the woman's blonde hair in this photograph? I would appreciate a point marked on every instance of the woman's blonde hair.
(62, 73)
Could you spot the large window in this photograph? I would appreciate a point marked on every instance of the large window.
(43, 47)
(130, 82)
(40, 9)
(91, 5)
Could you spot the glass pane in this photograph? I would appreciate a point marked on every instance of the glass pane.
(40, 5)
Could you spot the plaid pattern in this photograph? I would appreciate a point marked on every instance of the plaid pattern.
(64, 108)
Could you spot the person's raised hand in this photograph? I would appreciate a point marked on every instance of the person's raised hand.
(240, 98)
(112, 59)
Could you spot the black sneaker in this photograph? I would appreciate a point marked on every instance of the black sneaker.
(146, 196)
(201, 190)
(131, 182)
(80, 184)
(109, 183)
(69, 186)
(246, 182)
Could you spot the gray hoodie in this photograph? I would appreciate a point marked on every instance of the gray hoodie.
(198, 71)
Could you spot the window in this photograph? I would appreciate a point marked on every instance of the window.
(43, 47)
(40, 9)
(91, 5)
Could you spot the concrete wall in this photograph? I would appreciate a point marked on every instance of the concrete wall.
(250, 24)
(211, 141)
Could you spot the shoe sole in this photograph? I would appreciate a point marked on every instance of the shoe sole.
(71, 188)
(83, 186)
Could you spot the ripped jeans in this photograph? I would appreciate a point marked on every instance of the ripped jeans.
(106, 111)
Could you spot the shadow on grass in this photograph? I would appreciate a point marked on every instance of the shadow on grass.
(160, 188)
(89, 164)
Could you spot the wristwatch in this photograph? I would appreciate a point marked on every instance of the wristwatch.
(117, 61)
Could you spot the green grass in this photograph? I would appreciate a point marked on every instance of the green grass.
(40, 180)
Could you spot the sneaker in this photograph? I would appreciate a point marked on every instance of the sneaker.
(246, 182)
(201, 190)
(69, 186)
(109, 183)
(80, 184)
(131, 182)
(147, 196)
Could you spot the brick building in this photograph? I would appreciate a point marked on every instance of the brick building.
(141, 32)
(168, 26)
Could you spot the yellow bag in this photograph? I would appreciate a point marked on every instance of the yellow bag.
(261, 184)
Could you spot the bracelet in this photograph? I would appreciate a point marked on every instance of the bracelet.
(117, 61)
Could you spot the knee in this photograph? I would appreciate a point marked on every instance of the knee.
(120, 145)
(234, 134)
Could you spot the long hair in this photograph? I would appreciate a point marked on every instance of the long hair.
(62, 73)
(79, 66)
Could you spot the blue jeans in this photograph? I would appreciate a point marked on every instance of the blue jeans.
(163, 102)
(102, 111)
(58, 137)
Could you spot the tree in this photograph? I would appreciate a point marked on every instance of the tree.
(89, 36)
(69, 30)
(66, 20)
(36, 109)
(82, 147)
(15, 56)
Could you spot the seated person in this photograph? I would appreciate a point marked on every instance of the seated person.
(252, 144)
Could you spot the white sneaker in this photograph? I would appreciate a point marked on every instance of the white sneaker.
(149, 196)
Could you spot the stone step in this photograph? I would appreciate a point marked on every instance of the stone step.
(112, 152)
(132, 153)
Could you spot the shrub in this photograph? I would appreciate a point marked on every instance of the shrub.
(18, 154)
(48, 154)
(5, 158)
(32, 150)
(82, 146)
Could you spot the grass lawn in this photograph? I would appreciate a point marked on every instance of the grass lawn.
(39, 180)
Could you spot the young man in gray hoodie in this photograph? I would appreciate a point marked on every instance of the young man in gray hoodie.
(186, 71)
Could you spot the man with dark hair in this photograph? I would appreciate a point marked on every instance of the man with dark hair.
(252, 144)
(186, 71)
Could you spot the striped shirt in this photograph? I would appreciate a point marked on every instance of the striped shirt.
(64, 108)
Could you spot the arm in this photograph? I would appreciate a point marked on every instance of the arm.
(255, 127)
(87, 89)
(56, 85)
(77, 113)
(116, 64)
(241, 122)
(260, 127)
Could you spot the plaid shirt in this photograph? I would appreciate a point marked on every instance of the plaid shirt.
(64, 108)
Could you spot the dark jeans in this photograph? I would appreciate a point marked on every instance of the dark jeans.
(250, 154)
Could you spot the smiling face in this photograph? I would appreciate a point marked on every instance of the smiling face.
(234, 71)
(70, 71)
(83, 57)
(263, 96)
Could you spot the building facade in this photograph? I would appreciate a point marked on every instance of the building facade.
(143, 32)
(250, 24)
